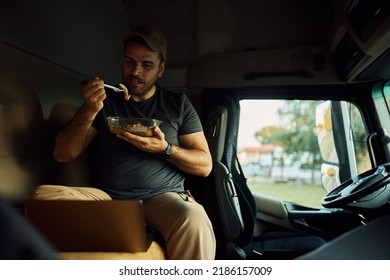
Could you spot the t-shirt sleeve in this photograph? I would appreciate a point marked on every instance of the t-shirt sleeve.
(191, 122)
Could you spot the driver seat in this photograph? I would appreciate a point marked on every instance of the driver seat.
(234, 218)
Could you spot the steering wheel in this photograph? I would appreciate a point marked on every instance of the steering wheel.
(358, 187)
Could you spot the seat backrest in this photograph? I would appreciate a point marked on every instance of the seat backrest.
(216, 131)
(236, 205)
(22, 155)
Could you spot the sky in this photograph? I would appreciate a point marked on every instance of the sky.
(256, 114)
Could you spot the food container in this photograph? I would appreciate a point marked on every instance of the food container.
(139, 126)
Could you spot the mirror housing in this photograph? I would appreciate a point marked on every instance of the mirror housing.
(330, 171)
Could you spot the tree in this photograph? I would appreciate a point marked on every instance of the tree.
(295, 134)
(274, 135)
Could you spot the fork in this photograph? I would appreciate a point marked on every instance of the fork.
(113, 88)
(116, 89)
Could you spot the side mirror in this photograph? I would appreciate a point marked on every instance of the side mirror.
(330, 176)
(330, 171)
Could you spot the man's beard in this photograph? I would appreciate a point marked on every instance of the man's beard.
(137, 91)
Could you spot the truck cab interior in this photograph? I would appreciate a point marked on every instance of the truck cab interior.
(293, 96)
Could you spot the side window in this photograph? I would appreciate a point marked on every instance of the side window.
(278, 148)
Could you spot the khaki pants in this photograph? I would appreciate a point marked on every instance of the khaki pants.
(180, 220)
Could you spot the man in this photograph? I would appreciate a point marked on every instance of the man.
(147, 168)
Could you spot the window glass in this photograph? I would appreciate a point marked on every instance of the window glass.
(279, 152)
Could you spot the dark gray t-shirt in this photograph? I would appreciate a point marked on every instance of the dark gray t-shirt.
(124, 171)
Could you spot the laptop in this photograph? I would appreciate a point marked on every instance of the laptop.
(90, 226)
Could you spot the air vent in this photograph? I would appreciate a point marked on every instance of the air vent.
(348, 56)
(366, 15)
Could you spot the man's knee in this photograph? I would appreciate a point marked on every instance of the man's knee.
(50, 192)
(59, 192)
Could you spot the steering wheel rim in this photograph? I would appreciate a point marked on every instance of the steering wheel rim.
(358, 187)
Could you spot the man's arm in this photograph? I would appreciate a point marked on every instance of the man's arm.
(72, 140)
(193, 156)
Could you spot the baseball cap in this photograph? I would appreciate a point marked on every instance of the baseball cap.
(152, 36)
